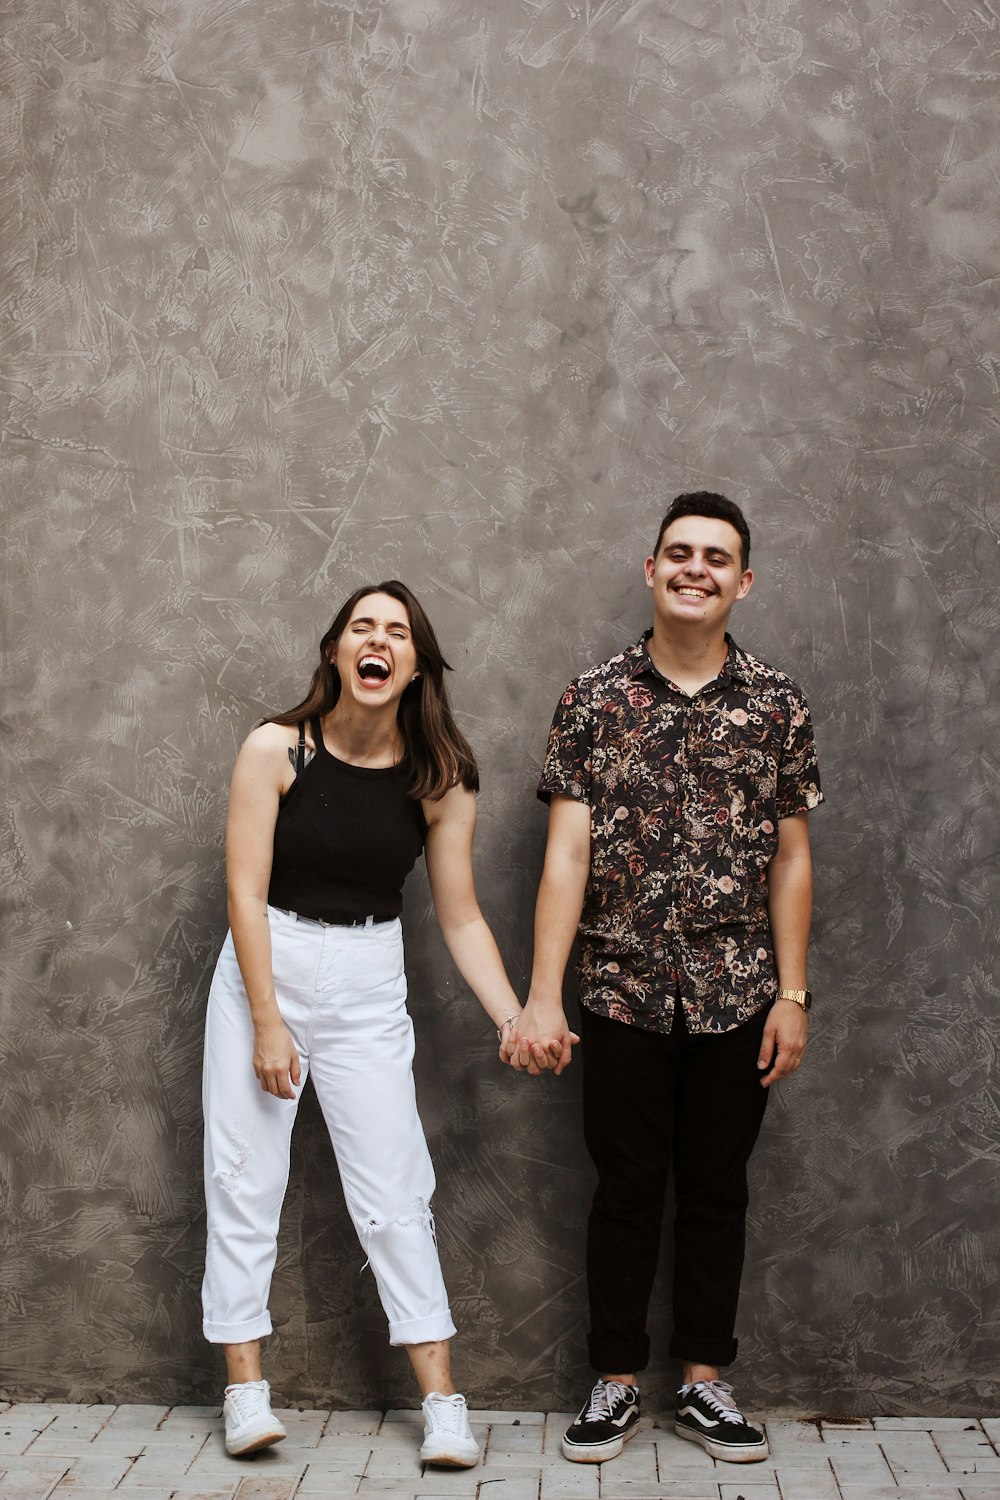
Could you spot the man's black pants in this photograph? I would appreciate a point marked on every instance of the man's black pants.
(653, 1101)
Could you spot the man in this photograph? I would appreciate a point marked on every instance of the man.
(679, 775)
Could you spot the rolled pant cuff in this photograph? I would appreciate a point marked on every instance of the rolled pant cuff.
(422, 1330)
(698, 1351)
(616, 1356)
(238, 1333)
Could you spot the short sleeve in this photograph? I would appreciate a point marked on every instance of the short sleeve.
(567, 771)
(798, 775)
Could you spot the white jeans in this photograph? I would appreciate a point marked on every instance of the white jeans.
(342, 994)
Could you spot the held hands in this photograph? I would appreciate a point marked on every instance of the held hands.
(783, 1044)
(275, 1060)
(538, 1040)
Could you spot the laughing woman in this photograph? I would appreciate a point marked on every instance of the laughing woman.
(330, 806)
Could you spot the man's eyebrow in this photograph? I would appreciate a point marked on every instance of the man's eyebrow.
(716, 547)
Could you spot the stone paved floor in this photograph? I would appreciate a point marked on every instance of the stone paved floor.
(176, 1453)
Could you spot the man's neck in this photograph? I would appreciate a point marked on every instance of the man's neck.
(689, 659)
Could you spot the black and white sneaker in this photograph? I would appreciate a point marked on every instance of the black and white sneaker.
(707, 1414)
(607, 1420)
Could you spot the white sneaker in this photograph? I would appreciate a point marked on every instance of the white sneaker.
(250, 1422)
(448, 1437)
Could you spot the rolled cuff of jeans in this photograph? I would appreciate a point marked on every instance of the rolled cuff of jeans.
(238, 1333)
(422, 1330)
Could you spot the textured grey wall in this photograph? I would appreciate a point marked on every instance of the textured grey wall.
(301, 294)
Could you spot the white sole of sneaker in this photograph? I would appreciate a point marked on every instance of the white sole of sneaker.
(449, 1458)
(596, 1453)
(253, 1442)
(725, 1452)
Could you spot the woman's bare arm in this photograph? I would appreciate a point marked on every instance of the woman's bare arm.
(261, 774)
(451, 824)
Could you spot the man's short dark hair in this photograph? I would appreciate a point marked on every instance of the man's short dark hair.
(718, 508)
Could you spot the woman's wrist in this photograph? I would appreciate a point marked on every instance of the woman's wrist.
(265, 1014)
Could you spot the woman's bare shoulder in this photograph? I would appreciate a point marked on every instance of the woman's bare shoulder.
(274, 736)
(269, 745)
(274, 748)
(266, 739)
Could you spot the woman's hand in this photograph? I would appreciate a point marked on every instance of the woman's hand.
(536, 1060)
(509, 1048)
(539, 1040)
(275, 1060)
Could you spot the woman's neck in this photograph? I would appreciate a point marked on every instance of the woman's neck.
(362, 739)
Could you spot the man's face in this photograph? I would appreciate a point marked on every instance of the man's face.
(697, 576)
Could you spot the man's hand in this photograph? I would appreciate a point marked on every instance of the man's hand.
(541, 1058)
(539, 1040)
(783, 1044)
(275, 1060)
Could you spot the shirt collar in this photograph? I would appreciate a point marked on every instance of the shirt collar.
(735, 668)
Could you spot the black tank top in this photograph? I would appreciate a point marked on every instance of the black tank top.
(345, 840)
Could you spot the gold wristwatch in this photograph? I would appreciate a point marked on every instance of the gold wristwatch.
(801, 997)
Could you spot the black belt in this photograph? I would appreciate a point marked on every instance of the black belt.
(344, 922)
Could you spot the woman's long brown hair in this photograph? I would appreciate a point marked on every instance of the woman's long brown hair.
(436, 753)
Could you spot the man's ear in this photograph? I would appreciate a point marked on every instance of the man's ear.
(745, 581)
(649, 566)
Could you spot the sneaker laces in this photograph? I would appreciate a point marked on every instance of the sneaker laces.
(600, 1399)
(718, 1396)
(248, 1397)
(448, 1413)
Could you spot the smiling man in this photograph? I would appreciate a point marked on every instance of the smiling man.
(679, 776)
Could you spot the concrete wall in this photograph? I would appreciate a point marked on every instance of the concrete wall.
(301, 294)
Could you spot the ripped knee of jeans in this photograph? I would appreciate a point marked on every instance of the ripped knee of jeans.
(228, 1176)
(420, 1217)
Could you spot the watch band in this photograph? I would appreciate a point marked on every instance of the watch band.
(801, 997)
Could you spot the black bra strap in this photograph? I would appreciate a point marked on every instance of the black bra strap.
(300, 758)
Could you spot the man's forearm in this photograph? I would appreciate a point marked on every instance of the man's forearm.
(557, 918)
(789, 903)
(541, 1027)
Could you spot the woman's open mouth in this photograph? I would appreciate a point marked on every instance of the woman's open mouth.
(374, 670)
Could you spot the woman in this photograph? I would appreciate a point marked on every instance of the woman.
(330, 806)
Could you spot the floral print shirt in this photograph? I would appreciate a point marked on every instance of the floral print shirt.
(685, 796)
